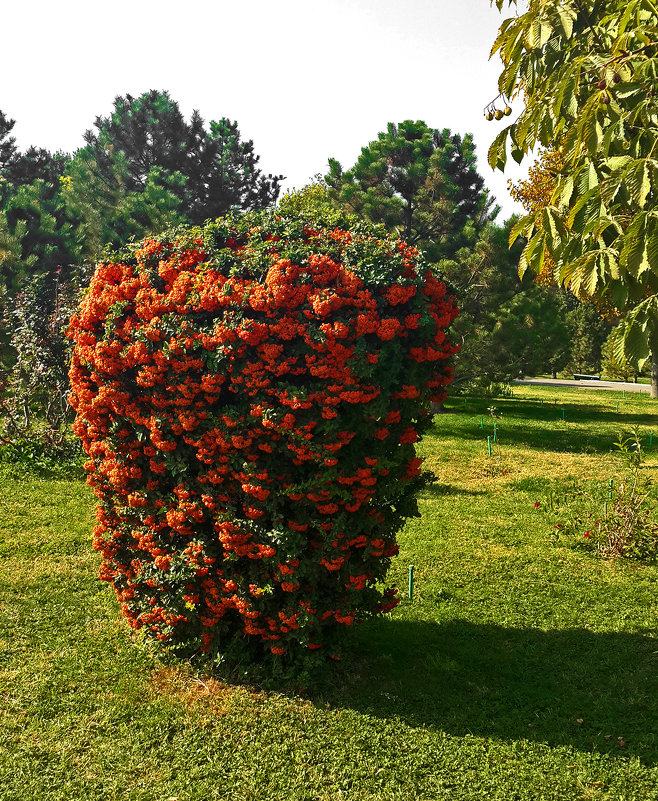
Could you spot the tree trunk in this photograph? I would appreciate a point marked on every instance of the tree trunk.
(653, 344)
(408, 214)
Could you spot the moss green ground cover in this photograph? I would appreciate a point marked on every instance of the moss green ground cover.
(525, 667)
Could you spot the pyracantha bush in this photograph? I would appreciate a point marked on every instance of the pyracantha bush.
(249, 394)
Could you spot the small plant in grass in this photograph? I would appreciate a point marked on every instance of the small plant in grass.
(249, 394)
(620, 522)
(629, 528)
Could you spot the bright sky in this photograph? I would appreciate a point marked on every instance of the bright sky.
(305, 79)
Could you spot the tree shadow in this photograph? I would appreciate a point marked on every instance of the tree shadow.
(439, 490)
(570, 687)
(558, 438)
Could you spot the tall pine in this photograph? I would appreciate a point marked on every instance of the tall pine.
(154, 142)
(421, 182)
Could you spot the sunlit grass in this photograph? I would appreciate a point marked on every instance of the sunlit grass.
(525, 667)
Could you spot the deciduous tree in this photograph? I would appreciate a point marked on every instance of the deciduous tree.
(588, 73)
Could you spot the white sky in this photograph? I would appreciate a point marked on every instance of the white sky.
(305, 79)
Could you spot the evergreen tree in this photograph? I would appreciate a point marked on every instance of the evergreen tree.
(420, 182)
(149, 132)
(36, 234)
(7, 142)
(589, 332)
(37, 164)
(107, 213)
(506, 325)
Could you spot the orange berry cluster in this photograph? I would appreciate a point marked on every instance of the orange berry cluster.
(249, 394)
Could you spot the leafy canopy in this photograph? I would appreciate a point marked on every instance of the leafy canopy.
(588, 73)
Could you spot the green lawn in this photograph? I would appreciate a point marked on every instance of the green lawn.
(525, 667)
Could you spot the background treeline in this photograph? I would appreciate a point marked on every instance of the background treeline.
(145, 168)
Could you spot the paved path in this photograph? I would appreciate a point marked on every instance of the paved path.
(562, 382)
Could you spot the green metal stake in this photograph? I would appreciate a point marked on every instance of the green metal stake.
(489, 445)
(482, 422)
(563, 414)
(495, 439)
(617, 410)
(610, 490)
(651, 440)
(411, 582)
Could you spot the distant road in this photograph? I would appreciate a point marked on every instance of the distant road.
(562, 382)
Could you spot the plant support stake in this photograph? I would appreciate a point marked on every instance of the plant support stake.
(489, 445)
(482, 422)
(610, 490)
(411, 582)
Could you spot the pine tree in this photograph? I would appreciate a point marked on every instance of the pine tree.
(108, 213)
(506, 325)
(589, 332)
(7, 142)
(37, 164)
(38, 235)
(220, 171)
(420, 182)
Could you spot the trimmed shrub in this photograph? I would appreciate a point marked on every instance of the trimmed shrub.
(249, 394)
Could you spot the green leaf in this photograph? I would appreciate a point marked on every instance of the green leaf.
(636, 346)
(638, 182)
(633, 256)
(497, 155)
(524, 227)
(590, 275)
(532, 257)
(651, 243)
(563, 191)
(567, 17)
(626, 16)
(632, 336)
(591, 133)
(574, 220)
(554, 228)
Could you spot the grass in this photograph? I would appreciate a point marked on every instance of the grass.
(524, 668)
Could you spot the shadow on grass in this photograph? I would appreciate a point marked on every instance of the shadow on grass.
(570, 687)
(546, 431)
(438, 490)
